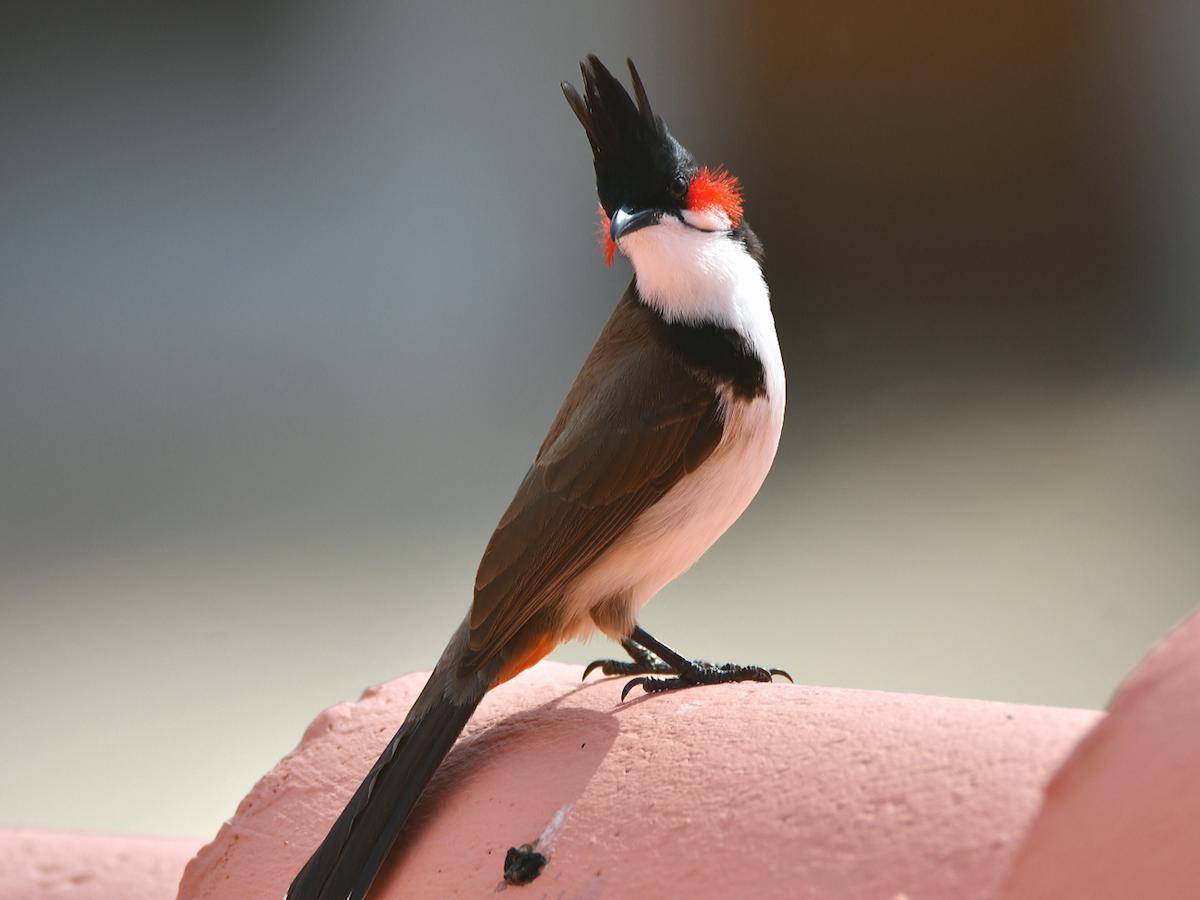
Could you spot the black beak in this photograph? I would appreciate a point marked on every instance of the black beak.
(625, 222)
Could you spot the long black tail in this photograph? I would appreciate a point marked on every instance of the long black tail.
(346, 863)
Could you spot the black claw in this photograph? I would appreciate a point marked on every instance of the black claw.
(656, 685)
(781, 672)
(631, 684)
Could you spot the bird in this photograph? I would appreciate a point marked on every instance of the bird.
(664, 438)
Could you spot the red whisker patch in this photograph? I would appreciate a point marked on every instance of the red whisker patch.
(716, 190)
(604, 232)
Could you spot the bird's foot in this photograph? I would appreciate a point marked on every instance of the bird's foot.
(695, 673)
(652, 657)
(642, 662)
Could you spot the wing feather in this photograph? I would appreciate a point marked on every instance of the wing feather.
(635, 422)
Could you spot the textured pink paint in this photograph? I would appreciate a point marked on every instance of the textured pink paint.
(40, 865)
(1122, 816)
(738, 790)
(761, 790)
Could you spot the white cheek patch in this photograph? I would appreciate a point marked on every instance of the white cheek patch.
(708, 219)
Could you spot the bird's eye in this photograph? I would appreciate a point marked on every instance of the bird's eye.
(679, 187)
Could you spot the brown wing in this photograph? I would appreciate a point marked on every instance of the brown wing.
(633, 424)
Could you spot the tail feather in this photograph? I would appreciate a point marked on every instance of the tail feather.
(345, 864)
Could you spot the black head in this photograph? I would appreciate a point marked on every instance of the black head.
(638, 164)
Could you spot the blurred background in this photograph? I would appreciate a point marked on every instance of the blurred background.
(289, 294)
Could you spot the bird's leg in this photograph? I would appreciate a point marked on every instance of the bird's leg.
(644, 663)
(686, 672)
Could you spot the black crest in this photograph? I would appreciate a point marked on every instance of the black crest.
(635, 156)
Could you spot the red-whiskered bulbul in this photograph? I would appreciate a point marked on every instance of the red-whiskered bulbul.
(662, 441)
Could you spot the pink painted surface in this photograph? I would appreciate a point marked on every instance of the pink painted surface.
(41, 865)
(738, 790)
(769, 791)
(1122, 816)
